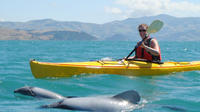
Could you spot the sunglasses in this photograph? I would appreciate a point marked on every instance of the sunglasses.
(142, 30)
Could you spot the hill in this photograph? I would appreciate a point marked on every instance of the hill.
(179, 29)
(12, 34)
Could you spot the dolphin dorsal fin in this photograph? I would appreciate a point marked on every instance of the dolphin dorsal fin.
(132, 96)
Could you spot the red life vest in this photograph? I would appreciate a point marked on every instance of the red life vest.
(143, 54)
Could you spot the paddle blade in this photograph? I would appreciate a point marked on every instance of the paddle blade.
(155, 26)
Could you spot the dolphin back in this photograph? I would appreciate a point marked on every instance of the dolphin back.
(131, 96)
(43, 93)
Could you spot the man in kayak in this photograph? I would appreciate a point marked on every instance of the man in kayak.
(149, 49)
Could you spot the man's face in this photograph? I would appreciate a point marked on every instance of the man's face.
(142, 31)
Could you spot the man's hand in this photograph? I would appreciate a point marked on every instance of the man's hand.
(142, 45)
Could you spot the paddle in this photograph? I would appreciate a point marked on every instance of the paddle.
(154, 27)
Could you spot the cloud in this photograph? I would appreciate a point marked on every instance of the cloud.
(139, 8)
(113, 10)
(2, 20)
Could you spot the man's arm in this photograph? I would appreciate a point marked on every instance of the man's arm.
(154, 49)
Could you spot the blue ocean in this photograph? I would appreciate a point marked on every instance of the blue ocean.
(177, 92)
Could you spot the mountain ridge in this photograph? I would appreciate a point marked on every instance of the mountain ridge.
(181, 28)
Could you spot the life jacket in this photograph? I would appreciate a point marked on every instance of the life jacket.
(143, 54)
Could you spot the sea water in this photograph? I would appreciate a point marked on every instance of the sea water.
(168, 93)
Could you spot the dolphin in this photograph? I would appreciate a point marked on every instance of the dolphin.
(121, 102)
(38, 92)
(125, 101)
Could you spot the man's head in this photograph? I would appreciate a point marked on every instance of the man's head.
(142, 28)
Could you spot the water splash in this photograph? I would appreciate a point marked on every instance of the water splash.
(107, 59)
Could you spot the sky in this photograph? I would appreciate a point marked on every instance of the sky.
(94, 11)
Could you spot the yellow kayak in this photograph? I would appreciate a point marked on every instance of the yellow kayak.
(129, 68)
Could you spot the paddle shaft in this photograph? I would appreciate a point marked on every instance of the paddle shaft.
(135, 48)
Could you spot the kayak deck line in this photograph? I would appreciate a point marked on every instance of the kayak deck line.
(130, 68)
(120, 65)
